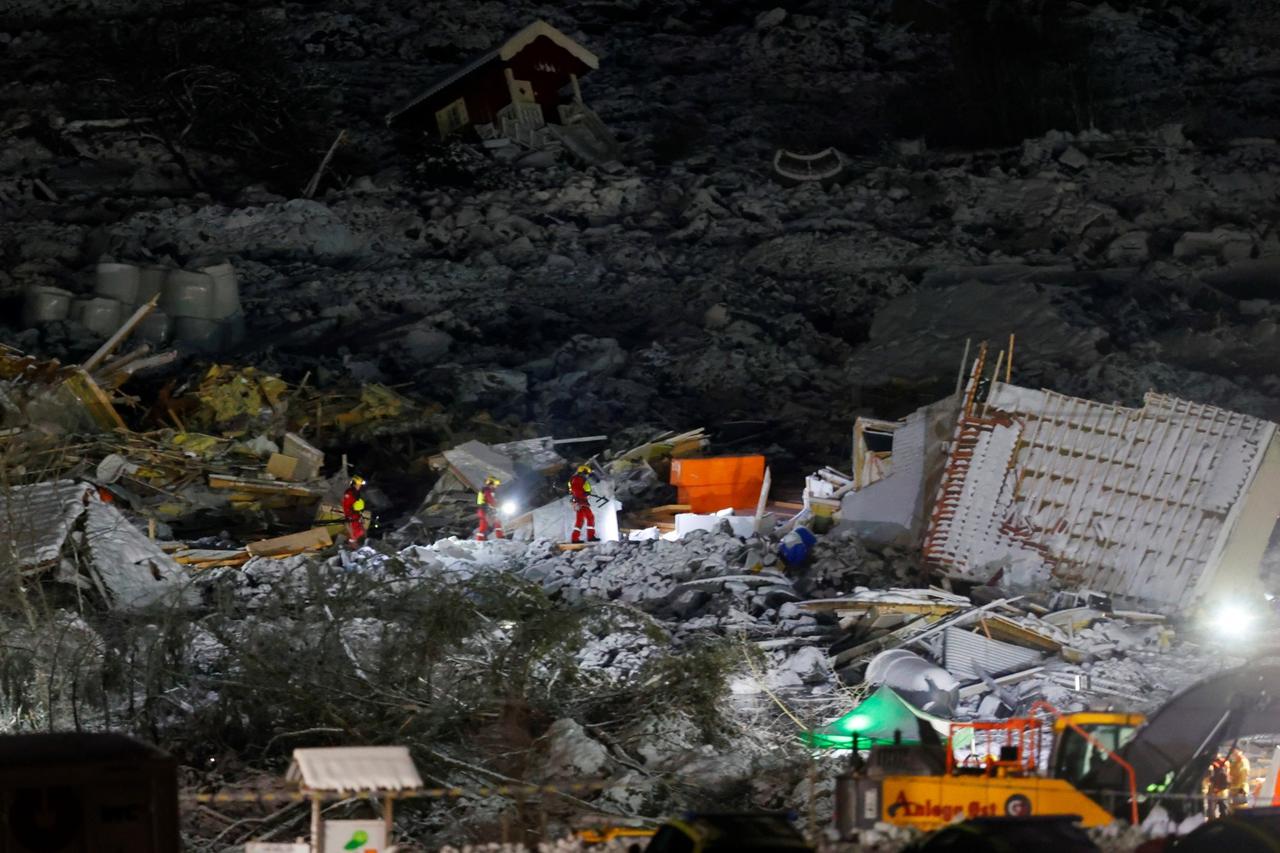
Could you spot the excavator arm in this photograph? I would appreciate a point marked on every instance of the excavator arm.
(1170, 753)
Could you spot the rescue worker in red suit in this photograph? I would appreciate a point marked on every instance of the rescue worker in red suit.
(353, 512)
(580, 493)
(487, 510)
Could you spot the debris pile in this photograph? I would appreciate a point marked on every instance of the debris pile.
(69, 531)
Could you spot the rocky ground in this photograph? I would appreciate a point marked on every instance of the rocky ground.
(1101, 179)
(688, 286)
(676, 675)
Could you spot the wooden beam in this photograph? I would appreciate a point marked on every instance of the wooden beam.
(895, 637)
(1002, 628)
(262, 487)
(126, 328)
(294, 543)
(666, 509)
(314, 183)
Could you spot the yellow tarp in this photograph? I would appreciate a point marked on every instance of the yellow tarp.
(227, 393)
(376, 402)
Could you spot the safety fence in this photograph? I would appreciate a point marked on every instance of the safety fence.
(242, 796)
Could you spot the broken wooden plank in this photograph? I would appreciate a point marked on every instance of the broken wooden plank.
(665, 509)
(1003, 628)
(844, 607)
(580, 439)
(126, 329)
(122, 361)
(95, 401)
(262, 487)
(295, 543)
(896, 637)
(206, 555)
(160, 359)
(221, 564)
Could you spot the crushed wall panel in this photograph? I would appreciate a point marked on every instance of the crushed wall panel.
(1134, 502)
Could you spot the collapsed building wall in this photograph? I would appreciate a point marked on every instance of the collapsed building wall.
(893, 509)
(1162, 504)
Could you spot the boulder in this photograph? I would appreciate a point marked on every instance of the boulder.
(572, 753)
(1228, 244)
(1130, 249)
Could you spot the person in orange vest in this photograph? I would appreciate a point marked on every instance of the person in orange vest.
(487, 510)
(1214, 788)
(353, 512)
(580, 493)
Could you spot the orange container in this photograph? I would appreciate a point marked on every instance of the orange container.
(721, 482)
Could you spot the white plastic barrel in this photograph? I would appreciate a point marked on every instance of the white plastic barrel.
(44, 304)
(150, 281)
(235, 329)
(226, 289)
(154, 329)
(198, 334)
(187, 294)
(118, 282)
(101, 315)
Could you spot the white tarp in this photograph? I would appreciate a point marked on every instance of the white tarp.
(555, 520)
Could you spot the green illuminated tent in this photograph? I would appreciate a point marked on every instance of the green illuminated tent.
(876, 719)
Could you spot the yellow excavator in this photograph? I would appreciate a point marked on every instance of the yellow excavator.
(926, 786)
(1096, 766)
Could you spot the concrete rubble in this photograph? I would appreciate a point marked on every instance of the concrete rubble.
(769, 222)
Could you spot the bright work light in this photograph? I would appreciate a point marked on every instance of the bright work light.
(1234, 619)
(509, 508)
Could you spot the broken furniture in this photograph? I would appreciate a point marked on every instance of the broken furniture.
(341, 772)
(513, 92)
(52, 396)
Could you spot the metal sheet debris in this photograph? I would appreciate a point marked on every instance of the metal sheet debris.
(968, 654)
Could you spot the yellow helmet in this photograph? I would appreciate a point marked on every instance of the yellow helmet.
(357, 481)
(584, 469)
(492, 481)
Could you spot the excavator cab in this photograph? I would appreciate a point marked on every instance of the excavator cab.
(1083, 741)
(990, 769)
